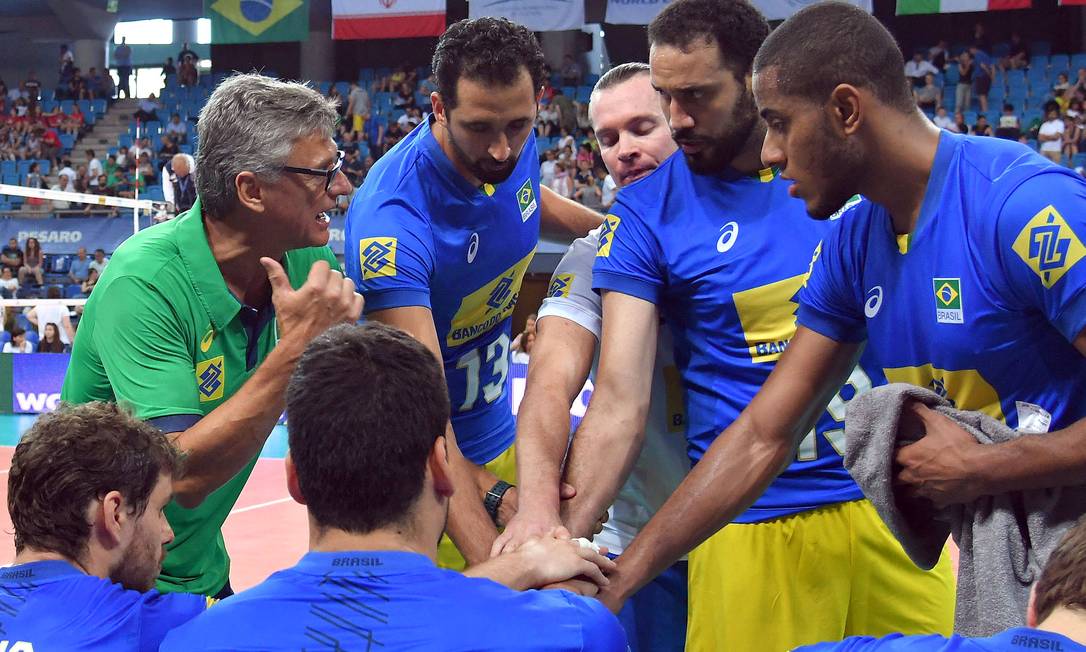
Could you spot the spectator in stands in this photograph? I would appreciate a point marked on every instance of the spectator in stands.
(86, 286)
(571, 71)
(11, 256)
(918, 67)
(94, 81)
(168, 149)
(982, 128)
(1062, 85)
(122, 58)
(187, 74)
(587, 189)
(963, 94)
(547, 168)
(94, 166)
(1072, 134)
(563, 181)
(33, 262)
(1050, 135)
(583, 122)
(354, 167)
(405, 97)
(147, 170)
(106, 89)
(546, 119)
(929, 97)
(32, 86)
(94, 541)
(9, 285)
(18, 343)
(410, 119)
(168, 68)
(33, 176)
(187, 54)
(55, 313)
(100, 261)
(944, 121)
(51, 144)
(179, 184)
(370, 522)
(79, 269)
(65, 65)
(567, 113)
(393, 134)
(358, 107)
(177, 129)
(1010, 127)
(983, 72)
(148, 109)
(980, 37)
(50, 342)
(1018, 56)
(937, 55)
(1079, 87)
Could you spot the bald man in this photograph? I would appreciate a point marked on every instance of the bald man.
(178, 183)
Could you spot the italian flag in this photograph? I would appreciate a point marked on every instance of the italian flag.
(907, 7)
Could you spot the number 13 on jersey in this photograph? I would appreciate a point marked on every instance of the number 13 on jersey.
(473, 363)
(858, 382)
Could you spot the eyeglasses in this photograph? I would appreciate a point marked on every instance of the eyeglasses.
(328, 174)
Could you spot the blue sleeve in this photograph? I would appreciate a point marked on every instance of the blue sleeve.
(829, 302)
(1040, 233)
(164, 612)
(890, 643)
(628, 256)
(388, 253)
(600, 629)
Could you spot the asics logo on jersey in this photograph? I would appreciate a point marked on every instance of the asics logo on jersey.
(560, 285)
(874, 302)
(607, 235)
(473, 247)
(730, 233)
(501, 293)
(1049, 246)
(377, 257)
(209, 375)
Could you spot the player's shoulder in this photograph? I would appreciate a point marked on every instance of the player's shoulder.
(229, 619)
(649, 195)
(895, 643)
(1001, 167)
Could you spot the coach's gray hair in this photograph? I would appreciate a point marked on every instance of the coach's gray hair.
(250, 123)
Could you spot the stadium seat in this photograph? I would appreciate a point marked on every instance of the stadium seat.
(66, 106)
(32, 337)
(1058, 63)
(1078, 160)
(22, 168)
(344, 88)
(67, 141)
(366, 75)
(8, 167)
(24, 323)
(47, 106)
(569, 91)
(57, 263)
(125, 141)
(100, 107)
(970, 117)
(72, 291)
(85, 107)
(45, 165)
(1078, 61)
(9, 180)
(5, 337)
(583, 93)
(185, 148)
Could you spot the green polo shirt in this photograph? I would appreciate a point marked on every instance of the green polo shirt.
(163, 334)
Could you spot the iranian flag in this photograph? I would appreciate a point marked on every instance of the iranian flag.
(1072, 2)
(907, 7)
(373, 19)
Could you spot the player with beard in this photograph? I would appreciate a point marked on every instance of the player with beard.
(86, 492)
(439, 238)
(713, 243)
(962, 271)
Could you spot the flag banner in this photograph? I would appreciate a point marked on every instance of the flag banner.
(536, 15)
(641, 12)
(375, 19)
(257, 21)
(1064, 3)
(908, 7)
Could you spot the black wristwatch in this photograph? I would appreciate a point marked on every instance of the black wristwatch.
(492, 501)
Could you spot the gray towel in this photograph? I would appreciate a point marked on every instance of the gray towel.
(1004, 540)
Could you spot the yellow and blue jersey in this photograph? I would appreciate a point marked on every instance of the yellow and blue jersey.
(392, 600)
(52, 605)
(1012, 640)
(723, 258)
(418, 234)
(982, 301)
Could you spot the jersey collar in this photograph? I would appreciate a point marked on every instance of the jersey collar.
(38, 570)
(444, 166)
(1025, 638)
(204, 273)
(933, 194)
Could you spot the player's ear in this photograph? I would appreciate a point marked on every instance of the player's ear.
(294, 488)
(1031, 608)
(109, 522)
(439, 468)
(438, 105)
(845, 109)
(250, 194)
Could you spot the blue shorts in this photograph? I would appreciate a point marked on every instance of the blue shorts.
(655, 617)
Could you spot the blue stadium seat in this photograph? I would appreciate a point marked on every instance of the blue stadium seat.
(383, 72)
(323, 87)
(366, 75)
(1029, 115)
(1058, 63)
(185, 148)
(10, 180)
(57, 263)
(100, 107)
(583, 93)
(22, 168)
(5, 337)
(32, 337)
(45, 165)
(569, 91)
(591, 80)
(1000, 50)
(72, 291)
(970, 117)
(8, 167)
(1078, 160)
(67, 141)
(84, 107)
(22, 321)
(952, 75)
(154, 193)
(47, 106)
(66, 106)
(344, 88)
(1078, 61)
(125, 141)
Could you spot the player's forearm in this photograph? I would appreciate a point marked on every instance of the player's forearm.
(733, 473)
(542, 436)
(225, 440)
(507, 570)
(1055, 459)
(560, 216)
(604, 450)
(470, 527)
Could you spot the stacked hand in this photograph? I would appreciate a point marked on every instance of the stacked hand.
(556, 561)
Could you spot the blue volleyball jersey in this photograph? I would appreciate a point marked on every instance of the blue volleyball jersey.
(52, 605)
(982, 301)
(723, 259)
(1012, 640)
(418, 234)
(388, 600)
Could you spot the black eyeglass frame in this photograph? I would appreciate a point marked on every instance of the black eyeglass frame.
(329, 174)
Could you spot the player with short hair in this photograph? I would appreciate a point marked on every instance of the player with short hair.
(713, 242)
(86, 493)
(634, 139)
(947, 217)
(372, 469)
(1054, 617)
(197, 323)
(439, 239)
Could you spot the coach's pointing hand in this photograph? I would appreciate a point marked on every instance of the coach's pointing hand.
(324, 300)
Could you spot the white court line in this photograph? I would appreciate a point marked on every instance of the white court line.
(242, 510)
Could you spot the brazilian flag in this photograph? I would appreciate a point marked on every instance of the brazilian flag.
(257, 21)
